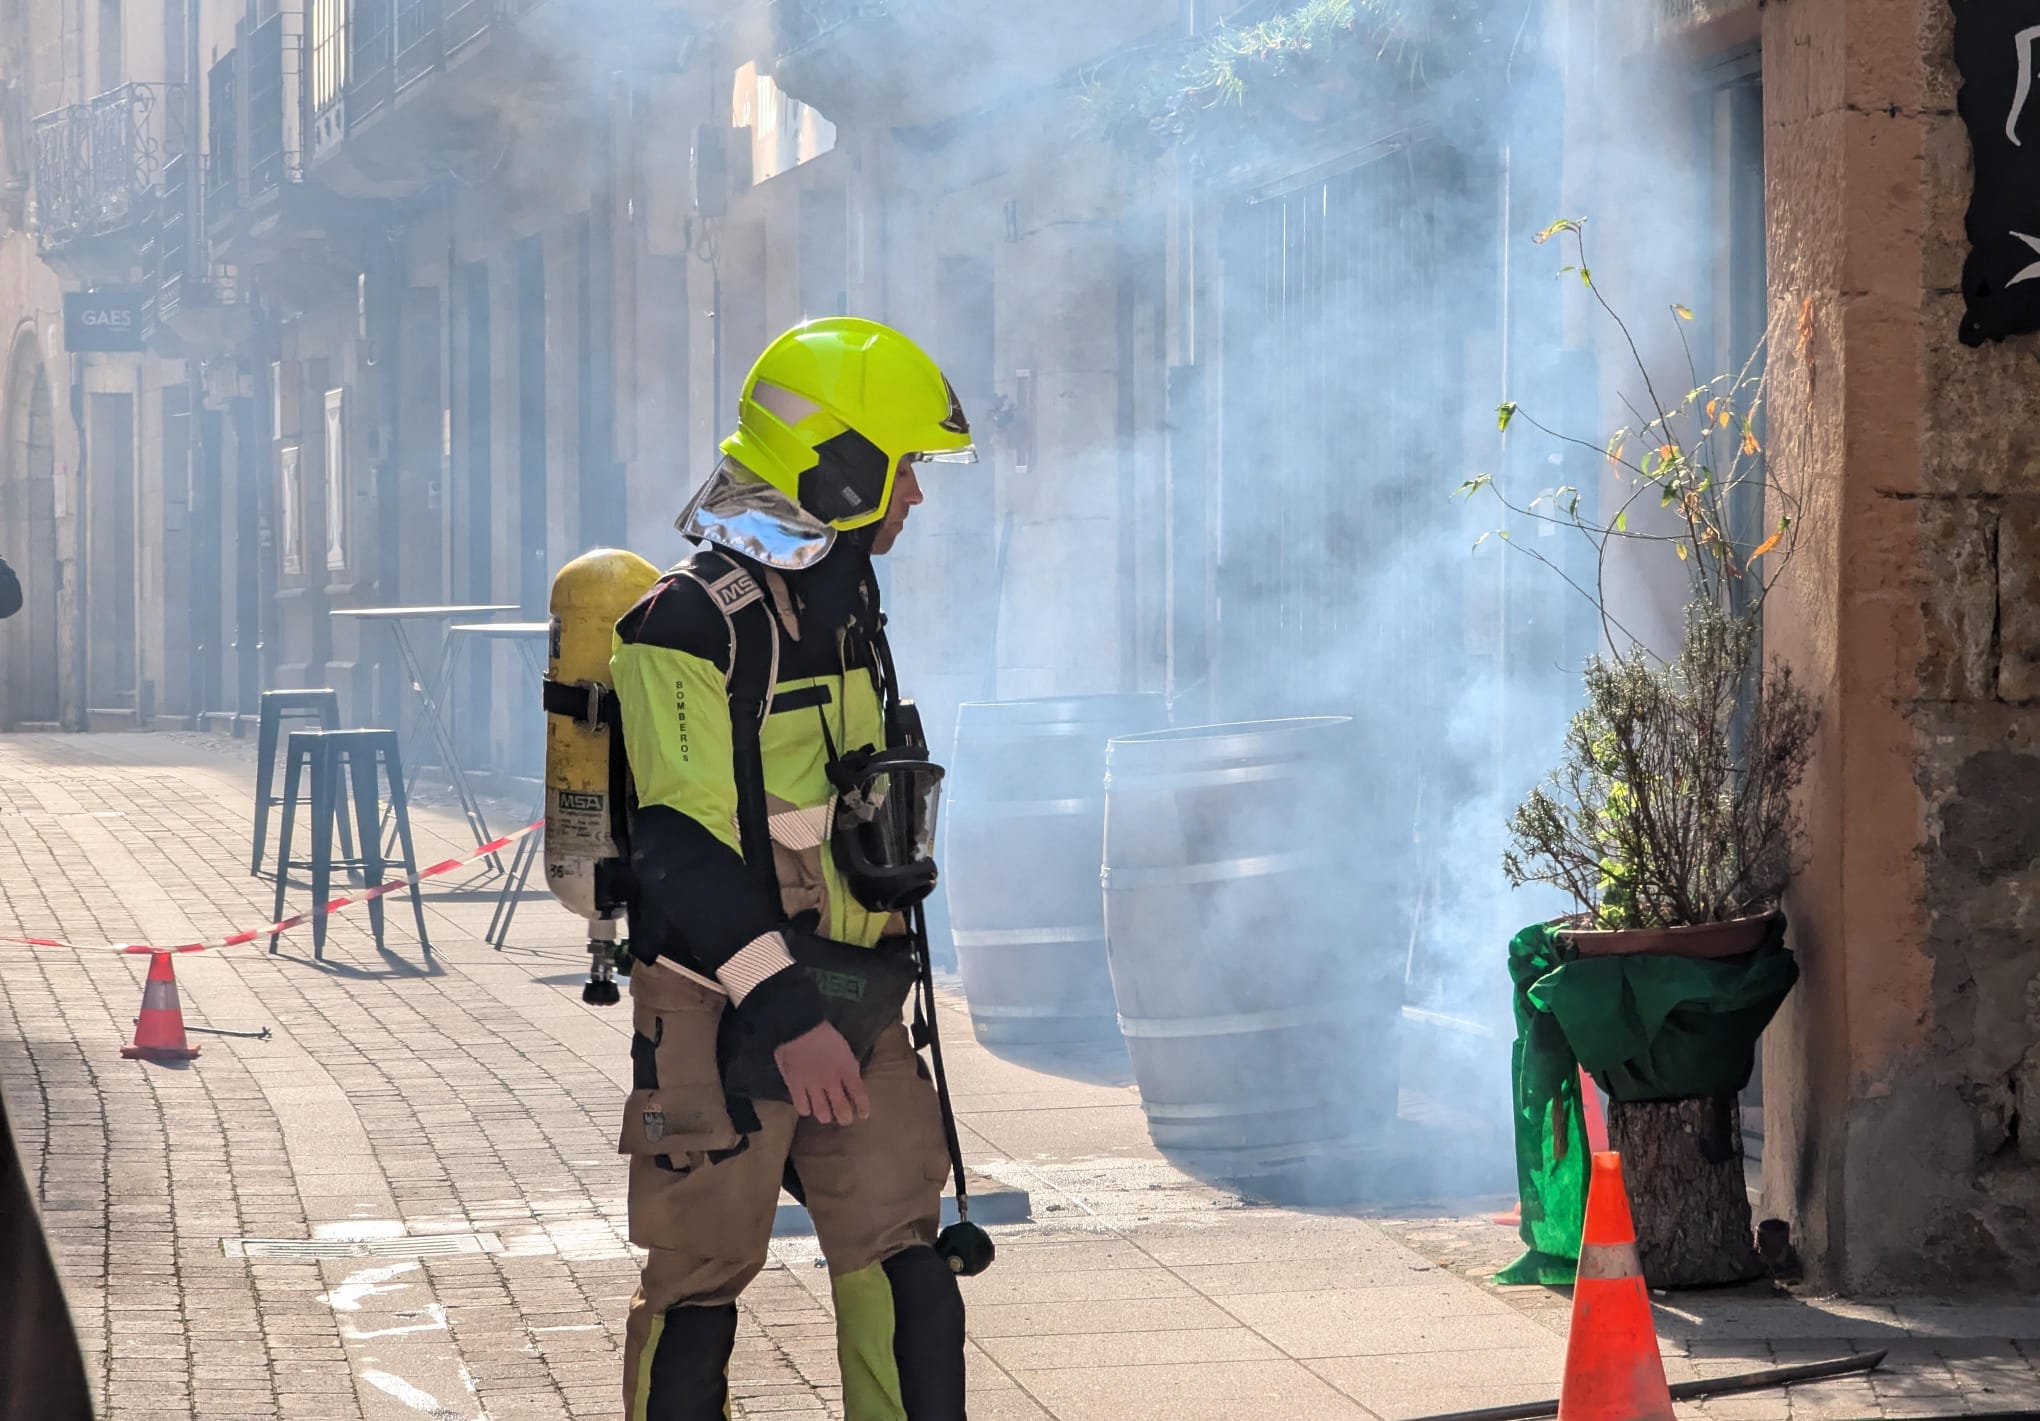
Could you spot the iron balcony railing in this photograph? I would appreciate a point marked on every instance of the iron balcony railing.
(360, 54)
(170, 250)
(97, 163)
(371, 57)
(417, 36)
(253, 124)
(223, 136)
(270, 72)
(468, 20)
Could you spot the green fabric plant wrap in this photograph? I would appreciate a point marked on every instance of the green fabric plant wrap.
(1669, 1028)
(1647, 1027)
(1550, 1123)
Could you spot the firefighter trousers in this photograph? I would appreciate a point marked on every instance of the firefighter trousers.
(705, 1215)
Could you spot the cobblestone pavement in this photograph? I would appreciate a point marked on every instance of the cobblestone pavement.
(446, 1124)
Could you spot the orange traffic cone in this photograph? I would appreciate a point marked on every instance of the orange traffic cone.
(159, 1031)
(1612, 1368)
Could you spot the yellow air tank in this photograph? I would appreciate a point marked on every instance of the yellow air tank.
(583, 861)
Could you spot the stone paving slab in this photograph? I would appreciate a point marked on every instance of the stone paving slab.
(468, 1091)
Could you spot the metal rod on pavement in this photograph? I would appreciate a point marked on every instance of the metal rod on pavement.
(262, 1035)
(1691, 1391)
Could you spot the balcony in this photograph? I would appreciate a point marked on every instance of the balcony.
(98, 168)
(910, 63)
(261, 216)
(466, 77)
(192, 309)
(371, 59)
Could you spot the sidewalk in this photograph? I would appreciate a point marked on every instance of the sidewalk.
(445, 1127)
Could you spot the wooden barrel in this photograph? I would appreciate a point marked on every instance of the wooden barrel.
(1024, 826)
(1259, 988)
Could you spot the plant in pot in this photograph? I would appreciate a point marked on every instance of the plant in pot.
(1669, 820)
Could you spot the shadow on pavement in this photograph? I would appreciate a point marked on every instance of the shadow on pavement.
(398, 966)
(1092, 1062)
(40, 1358)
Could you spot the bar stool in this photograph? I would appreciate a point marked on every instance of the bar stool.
(334, 758)
(322, 706)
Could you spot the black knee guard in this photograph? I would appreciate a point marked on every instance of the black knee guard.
(927, 1334)
(690, 1362)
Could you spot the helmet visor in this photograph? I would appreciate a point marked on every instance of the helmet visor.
(966, 455)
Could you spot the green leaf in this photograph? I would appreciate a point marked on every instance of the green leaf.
(1622, 521)
(1682, 313)
(1564, 224)
(1474, 485)
(1586, 277)
(1503, 414)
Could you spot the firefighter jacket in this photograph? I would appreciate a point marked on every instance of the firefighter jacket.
(698, 902)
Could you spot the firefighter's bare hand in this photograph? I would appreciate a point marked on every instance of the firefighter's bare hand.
(822, 1076)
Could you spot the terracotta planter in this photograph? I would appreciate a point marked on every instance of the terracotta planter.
(1729, 939)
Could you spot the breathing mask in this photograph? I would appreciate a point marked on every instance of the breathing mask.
(882, 826)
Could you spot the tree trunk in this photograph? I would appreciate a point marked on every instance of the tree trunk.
(1682, 1161)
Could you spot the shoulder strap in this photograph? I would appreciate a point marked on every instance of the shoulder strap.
(750, 679)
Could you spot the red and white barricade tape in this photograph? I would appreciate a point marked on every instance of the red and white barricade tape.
(334, 905)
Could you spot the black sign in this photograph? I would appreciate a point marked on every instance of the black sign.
(104, 320)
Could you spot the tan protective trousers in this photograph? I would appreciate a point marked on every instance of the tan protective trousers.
(873, 1190)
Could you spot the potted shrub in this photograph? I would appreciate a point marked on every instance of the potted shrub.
(1669, 819)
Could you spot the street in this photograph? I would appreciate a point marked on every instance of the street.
(407, 1202)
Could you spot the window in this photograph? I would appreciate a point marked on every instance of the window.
(336, 480)
(784, 132)
(289, 502)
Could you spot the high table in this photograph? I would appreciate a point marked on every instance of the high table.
(529, 638)
(428, 716)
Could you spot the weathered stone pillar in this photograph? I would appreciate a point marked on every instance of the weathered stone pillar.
(1895, 1075)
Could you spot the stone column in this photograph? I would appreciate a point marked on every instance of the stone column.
(1895, 1075)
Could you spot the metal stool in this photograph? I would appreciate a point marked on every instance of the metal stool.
(334, 757)
(277, 707)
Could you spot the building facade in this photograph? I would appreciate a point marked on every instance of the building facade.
(436, 294)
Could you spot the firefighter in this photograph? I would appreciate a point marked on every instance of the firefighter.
(778, 834)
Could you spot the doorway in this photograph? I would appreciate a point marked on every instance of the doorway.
(33, 681)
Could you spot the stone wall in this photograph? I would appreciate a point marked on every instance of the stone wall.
(1898, 1073)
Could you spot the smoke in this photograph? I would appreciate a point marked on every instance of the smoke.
(1246, 427)
(1224, 403)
